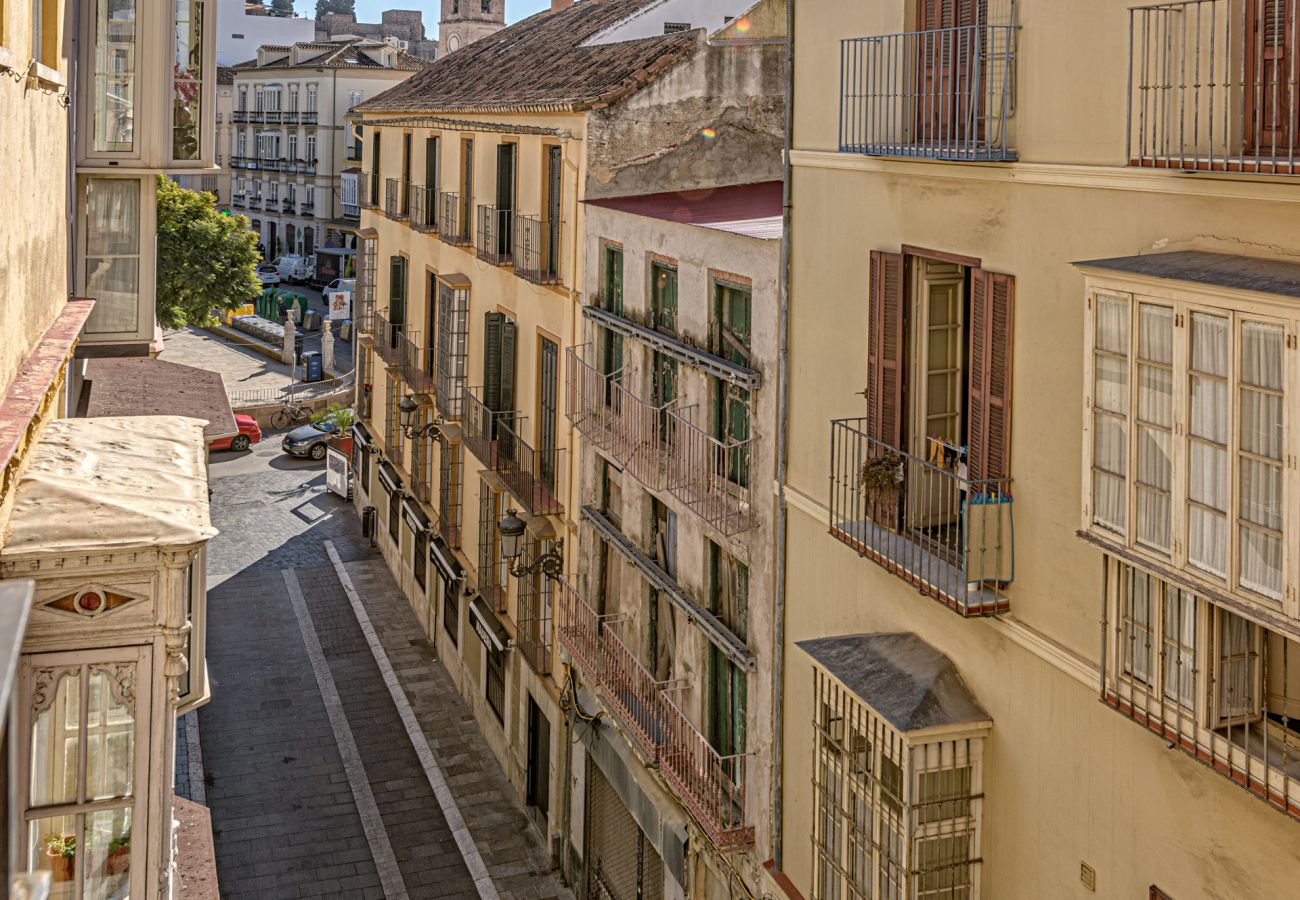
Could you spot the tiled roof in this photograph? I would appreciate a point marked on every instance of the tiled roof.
(225, 75)
(540, 63)
(345, 55)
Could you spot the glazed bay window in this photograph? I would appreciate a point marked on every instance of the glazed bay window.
(1187, 438)
(187, 80)
(113, 94)
(112, 252)
(1220, 686)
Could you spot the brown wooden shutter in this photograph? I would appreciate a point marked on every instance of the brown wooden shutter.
(885, 350)
(1270, 48)
(989, 366)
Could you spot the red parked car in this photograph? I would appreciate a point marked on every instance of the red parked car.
(249, 433)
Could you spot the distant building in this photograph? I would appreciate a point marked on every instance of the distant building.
(465, 21)
(402, 28)
(243, 27)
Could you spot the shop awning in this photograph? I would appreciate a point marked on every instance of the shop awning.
(414, 516)
(388, 475)
(445, 560)
(487, 626)
(361, 435)
(909, 683)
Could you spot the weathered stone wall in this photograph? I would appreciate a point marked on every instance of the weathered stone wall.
(716, 119)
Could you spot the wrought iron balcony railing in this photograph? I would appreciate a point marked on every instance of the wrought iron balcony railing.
(395, 198)
(239, 117)
(272, 116)
(287, 205)
(532, 475)
(309, 117)
(304, 167)
(256, 116)
(238, 201)
(662, 448)
(537, 249)
(495, 242)
(1213, 86)
(614, 419)
(711, 785)
(308, 208)
(254, 202)
(289, 117)
(387, 341)
(480, 426)
(415, 363)
(948, 536)
(453, 221)
(240, 162)
(945, 93)
(424, 208)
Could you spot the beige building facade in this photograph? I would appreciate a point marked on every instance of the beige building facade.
(479, 306)
(1041, 335)
(290, 143)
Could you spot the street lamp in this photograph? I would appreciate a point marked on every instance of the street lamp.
(406, 410)
(550, 563)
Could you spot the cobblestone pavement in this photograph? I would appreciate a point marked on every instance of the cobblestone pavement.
(311, 774)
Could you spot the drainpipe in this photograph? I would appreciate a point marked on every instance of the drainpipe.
(783, 416)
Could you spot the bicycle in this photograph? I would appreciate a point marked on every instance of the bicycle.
(290, 413)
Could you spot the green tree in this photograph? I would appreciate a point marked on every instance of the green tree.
(206, 260)
(283, 7)
(335, 6)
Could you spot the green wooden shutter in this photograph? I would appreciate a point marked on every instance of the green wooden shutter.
(397, 290)
(509, 341)
(492, 359)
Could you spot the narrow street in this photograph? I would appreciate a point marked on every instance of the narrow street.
(339, 759)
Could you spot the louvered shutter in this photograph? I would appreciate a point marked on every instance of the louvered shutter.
(885, 349)
(508, 349)
(397, 290)
(486, 523)
(989, 376)
(492, 360)
(1270, 54)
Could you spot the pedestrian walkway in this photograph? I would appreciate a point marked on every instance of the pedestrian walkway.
(316, 785)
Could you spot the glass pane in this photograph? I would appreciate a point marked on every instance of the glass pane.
(1156, 333)
(1112, 324)
(1154, 461)
(52, 847)
(1207, 477)
(55, 736)
(1180, 654)
(1156, 395)
(1210, 409)
(115, 285)
(112, 217)
(1110, 444)
(1261, 423)
(110, 736)
(1153, 518)
(1111, 392)
(1261, 493)
(1261, 562)
(114, 88)
(1207, 540)
(108, 863)
(1108, 500)
(1210, 344)
(1261, 355)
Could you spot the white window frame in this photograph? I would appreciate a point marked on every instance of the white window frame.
(1238, 306)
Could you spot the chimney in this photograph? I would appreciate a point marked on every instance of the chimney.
(557, 5)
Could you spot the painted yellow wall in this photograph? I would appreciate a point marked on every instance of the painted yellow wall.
(1068, 781)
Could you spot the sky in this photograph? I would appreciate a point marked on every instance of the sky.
(369, 10)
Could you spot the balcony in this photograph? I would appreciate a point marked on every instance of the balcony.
(238, 201)
(256, 117)
(495, 243)
(239, 117)
(453, 220)
(289, 117)
(241, 162)
(946, 93)
(308, 208)
(387, 339)
(272, 116)
(711, 786)
(424, 208)
(662, 448)
(532, 475)
(287, 205)
(309, 117)
(304, 167)
(395, 198)
(367, 189)
(922, 520)
(415, 364)
(479, 426)
(1205, 94)
(537, 250)
(254, 202)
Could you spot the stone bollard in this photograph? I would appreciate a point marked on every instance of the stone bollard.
(286, 351)
(327, 346)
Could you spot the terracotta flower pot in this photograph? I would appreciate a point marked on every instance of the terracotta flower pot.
(63, 867)
(118, 861)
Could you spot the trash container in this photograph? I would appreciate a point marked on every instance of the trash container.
(345, 330)
(312, 366)
(298, 338)
(311, 320)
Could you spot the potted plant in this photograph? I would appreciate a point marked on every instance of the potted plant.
(119, 855)
(882, 478)
(62, 851)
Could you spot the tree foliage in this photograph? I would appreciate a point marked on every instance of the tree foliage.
(206, 260)
(284, 7)
(324, 7)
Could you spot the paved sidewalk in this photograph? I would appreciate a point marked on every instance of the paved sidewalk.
(304, 748)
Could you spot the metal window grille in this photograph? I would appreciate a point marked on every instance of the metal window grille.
(451, 611)
(1218, 684)
(535, 614)
(422, 469)
(393, 435)
(367, 264)
(893, 817)
(494, 685)
(449, 493)
(491, 583)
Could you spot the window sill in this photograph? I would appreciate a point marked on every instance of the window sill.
(48, 77)
(6, 59)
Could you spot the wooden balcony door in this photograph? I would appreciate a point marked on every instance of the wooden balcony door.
(1273, 119)
(951, 69)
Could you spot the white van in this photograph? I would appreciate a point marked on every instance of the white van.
(293, 269)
